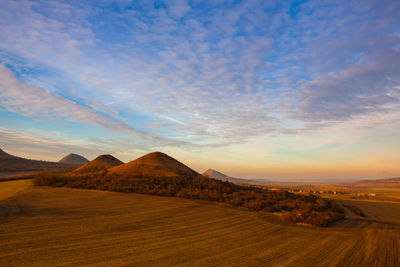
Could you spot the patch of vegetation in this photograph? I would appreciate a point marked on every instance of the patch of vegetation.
(306, 209)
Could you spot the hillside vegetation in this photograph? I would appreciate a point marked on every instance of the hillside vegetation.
(159, 174)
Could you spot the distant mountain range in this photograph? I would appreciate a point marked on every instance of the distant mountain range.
(10, 163)
(154, 164)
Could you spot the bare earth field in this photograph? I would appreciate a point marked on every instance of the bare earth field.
(43, 226)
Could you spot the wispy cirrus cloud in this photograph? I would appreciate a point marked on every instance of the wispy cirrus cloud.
(32, 101)
(363, 88)
(18, 96)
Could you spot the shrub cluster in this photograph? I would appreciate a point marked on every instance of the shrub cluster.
(307, 209)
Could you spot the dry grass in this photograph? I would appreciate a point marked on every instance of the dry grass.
(10, 188)
(44, 226)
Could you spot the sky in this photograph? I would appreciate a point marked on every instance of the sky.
(284, 90)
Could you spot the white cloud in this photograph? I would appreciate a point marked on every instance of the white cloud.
(18, 96)
(178, 8)
(363, 88)
(32, 101)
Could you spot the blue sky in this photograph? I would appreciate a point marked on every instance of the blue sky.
(253, 88)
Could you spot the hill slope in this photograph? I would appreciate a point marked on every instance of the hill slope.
(12, 163)
(155, 164)
(223, 177)
(74, 159)
(4, 154)
(215, 174)
(102, 162)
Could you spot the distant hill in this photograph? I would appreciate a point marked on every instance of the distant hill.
(15, 164)
(4, 154)
(74, 159)
(154, 164)
(223, 177)
(378, 183)
(102, 162)
(215, 174)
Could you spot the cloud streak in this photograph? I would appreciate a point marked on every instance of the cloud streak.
(32, 101)
(364, 88)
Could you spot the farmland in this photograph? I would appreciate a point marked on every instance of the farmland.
(44, 226)
(10, 188)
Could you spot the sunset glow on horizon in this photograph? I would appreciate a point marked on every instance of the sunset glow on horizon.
(281, 90)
